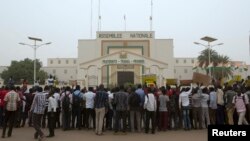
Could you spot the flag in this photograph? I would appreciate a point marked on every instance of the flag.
(124, 17)
(100, 17)
(150, 18)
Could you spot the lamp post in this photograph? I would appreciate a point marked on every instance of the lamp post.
(35, 47)
(209, 46)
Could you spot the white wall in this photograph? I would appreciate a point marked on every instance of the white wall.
(62, 73)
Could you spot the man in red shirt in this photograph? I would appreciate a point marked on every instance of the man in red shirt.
(3, 92)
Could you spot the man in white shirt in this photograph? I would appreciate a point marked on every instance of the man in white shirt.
(52, 105)
(57, 114)
(89, 98)
(150, 106)
(184, 105)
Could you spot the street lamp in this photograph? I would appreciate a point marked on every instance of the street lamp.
(209, 46)
(35, 47)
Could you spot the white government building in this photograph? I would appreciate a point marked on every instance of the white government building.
(117, 57)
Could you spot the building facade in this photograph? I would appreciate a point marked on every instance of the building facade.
(114, 58)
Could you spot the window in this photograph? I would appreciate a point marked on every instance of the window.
(54, 71)
(185, 71)
(59, 61)
(76, 71)
(177, 61)
(51, 61)
(184, 61)
(192, 61)
(65, 71)
(67, 61)
(74, 61)
(174, 70)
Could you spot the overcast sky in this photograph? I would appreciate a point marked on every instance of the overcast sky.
(63, 22)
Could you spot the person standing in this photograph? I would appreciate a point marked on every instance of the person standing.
(38, 108)
(163, 109)
(101, 102)
(134, 101)
(77, 97)
(197, 110)
(66, 102)
(229, 94)
(10, 105)
(150, 106)
(220, 114)
(240, 101)
(51, 114)
(3, 92)
(212, 105)
(89, 98)
(121, 102)
(204, 106)
(184, 105)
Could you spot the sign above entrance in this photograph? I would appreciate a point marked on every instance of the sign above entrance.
(123, 61)
(125, 35)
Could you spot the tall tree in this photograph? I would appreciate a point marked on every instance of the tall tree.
(24, 69)
(220, 64)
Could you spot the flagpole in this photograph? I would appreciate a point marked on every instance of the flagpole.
(249, 43)
(125, 26)
(151, 17)
(99, 16)
(91, 19)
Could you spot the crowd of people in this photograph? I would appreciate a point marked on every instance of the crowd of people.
(131, 109)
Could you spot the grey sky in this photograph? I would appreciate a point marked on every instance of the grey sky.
(63, 22)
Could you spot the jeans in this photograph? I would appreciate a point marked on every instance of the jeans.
(66, 117)
(121, 115)
(220, 114)
(1, 117)
(76, 113)
(90, 112)
(9, 121)
(135, 115)
(37, 120)
(150, 115)
(186, 118)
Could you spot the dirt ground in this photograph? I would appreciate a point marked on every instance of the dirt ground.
(26, 134)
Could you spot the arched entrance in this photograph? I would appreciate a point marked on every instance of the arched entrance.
(113, 70)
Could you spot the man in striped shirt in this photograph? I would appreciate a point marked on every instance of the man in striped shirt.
(10, 105)
(37, 108)
(101, 102)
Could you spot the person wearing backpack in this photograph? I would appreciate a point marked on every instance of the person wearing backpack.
(66, 99)
(77, 107)
(240, 101)
(134, 101)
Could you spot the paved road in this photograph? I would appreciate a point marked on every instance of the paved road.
(26, 134)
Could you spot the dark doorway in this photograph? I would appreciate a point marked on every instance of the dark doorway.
(125, 77)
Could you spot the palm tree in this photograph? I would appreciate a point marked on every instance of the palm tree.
(220, 68)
